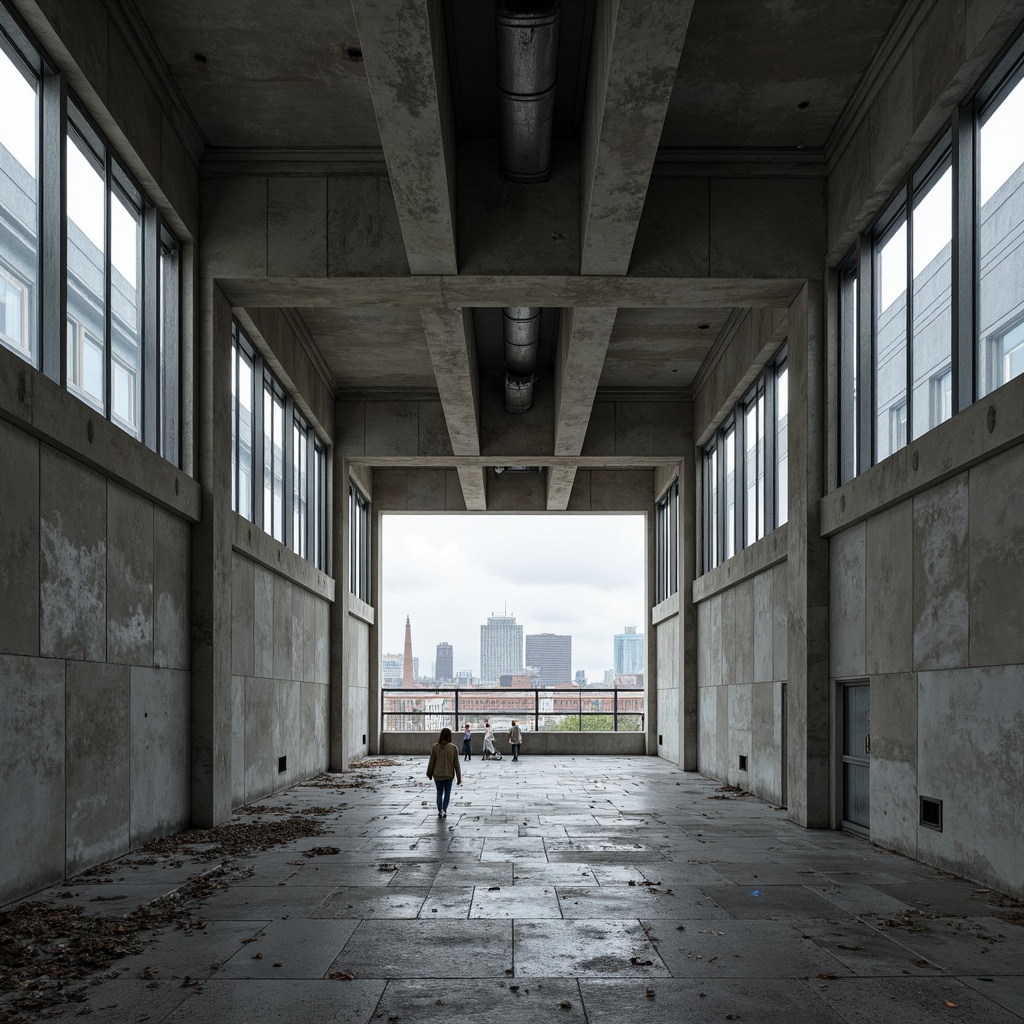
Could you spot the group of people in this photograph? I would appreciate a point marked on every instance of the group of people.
(444, 768)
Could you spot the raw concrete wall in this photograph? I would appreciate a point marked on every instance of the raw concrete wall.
(94, 662)
(926, 607)
(279, 680)
(742, 659)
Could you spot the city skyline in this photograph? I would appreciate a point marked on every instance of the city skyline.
(580, 576)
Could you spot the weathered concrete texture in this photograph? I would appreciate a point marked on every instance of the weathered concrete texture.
(765, 768)
(129, 577)
(941, 576)
(413, 115)
(97, 762)
(73, 564)
(32, 774)
(982, 813)
(669, 686)
(355, 681)
(159, 753)
(997, 560)
(282, 638)
(237, 741)
(262, 737)
(848, 603)
(171, 586)
(893, 778)
(740, 736)
(707, 730)
(242, 611)
(780, 622)
(263, 622)
(635, 55)
(364, 236)
(313, 712)
(889, 561)
(19, 540)
(764, 623)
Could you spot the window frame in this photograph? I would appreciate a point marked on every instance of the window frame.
(666, 544)
(360, 525)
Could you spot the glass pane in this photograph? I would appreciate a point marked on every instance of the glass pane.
(856, 795)
(856, 721)
(890, 340)
(729, 541)
(782, 444)
(234, 421)
(125, 301)
(268, 460)
(932, 324)
(124, 397)
(19, 210)
(848, 368)
(1000, 239)
(245, 436)
(712, 517)
(750, 472)
(760, 464)
(86, 260)
(278, 531)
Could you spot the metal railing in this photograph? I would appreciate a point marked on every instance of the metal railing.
(545, 709)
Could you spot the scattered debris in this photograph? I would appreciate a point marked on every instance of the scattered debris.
(321, 851)
(235, 839)
(342, 976)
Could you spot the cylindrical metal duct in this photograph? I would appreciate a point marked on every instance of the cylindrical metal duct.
(518, 393)
(527, 34)
(522, 336)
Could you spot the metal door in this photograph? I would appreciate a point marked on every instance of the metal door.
(856, 755)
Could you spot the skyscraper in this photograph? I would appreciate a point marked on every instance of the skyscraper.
(501, 649)
(391, 669)
(551, 655)
(407, 665)
(629, 652)
(444, 667)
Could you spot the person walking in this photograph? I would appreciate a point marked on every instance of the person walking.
(489, 750)
(442, 767)
(515, 739)
(467, 744)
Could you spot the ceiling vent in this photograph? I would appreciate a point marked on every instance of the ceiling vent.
(527, 36)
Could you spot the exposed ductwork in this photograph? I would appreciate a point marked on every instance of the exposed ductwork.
(527, 35)
(521, 331)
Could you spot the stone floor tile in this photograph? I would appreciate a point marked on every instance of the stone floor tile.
(910, 1001)
(448, 901)
(289, 950)
(640, 901)
(125, 1000)
(740, 949)
(515, 901)
(864, 950)
(480, 873)
(770, 901)
(311, 1002)
(585, 949)
(708, 1001)
(1007, 992)
(530, 872)
(256, 903)
(858, 898)
(360, 902)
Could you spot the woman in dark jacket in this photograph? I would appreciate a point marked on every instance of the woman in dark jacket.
(442, 767)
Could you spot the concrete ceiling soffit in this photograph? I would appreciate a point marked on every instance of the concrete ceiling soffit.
(559, 481)
(583, 337)
(412, 101)
(635, 55)
(449, 334)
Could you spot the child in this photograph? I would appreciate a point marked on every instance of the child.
(467, 744)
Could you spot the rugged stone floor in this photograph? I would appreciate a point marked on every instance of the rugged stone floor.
(600, 890)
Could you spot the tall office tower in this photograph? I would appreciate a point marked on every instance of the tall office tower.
(444, 668)
(407, 665)
(501, 649)
(551, 655)
(629, 652)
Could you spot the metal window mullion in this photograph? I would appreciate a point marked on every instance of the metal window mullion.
(964, 284)
(288, 474)
(149, 414)
(865, 353)
(257, 398)
(720, 498)
(53, 264)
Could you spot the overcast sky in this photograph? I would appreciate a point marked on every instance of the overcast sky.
(576, 574)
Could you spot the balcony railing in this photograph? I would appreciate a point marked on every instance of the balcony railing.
(538, 710)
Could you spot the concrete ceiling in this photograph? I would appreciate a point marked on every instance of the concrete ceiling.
(409, 90)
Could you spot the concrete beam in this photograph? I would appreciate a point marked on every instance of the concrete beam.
(449, 335)
(583, 337)
(559, 480)
(634, 57)
(403, 50)
(474, 487)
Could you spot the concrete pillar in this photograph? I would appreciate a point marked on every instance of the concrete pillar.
(807, 727)
(651, 667)
(211, 568)
(688, 505)
(339, 610)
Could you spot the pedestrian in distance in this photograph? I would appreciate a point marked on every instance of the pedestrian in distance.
(515, 739)
(443, 767)
(489, 750)
(467, 743)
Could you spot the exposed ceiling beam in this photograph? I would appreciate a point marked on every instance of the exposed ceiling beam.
(406, 69)
(634, 57)
(559, 483)
(449, 334)
(474, 487)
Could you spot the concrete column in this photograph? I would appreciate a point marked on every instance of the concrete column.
(211, 568)
(339, 610)
(807, 734)
(651, 667)
(687, 610)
